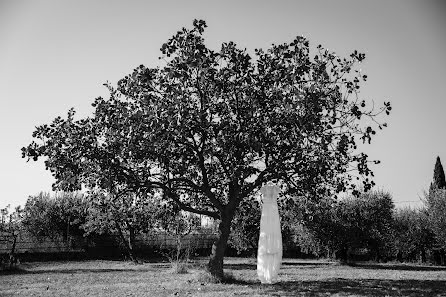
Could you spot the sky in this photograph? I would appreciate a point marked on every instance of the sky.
(55, 55)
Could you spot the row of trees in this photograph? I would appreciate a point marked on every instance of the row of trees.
(68, 216)
(205, 131)
(334, 229)
(364, 227)
(337, 229)
(367, 225)
(372, 223)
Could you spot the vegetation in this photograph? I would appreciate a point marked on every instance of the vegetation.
(439, 181)
(367, 225)
(9, 231)
(207, 129)
(413, 237)
(60, 216)
(436, 212)
(352, 224)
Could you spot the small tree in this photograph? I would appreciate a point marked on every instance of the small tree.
(57, 217)
(436, 210)
(10, 225)
(126, 216)
(413, 237)
(355, 222)
(177, 224)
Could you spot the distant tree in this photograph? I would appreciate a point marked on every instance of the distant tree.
(436, 210)
(246, 226)
(59, 216)
(210, 127)
(436, 207)
(174, 222)
(10, 226)
(307, 242)
(413, 236)
(39, 216)
(125, 217)
(355, 222)
(439, 181)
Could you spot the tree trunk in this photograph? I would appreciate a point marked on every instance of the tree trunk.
(127, 243)
(215, 265)
(12, 257)
(423, 255)
(341, 254)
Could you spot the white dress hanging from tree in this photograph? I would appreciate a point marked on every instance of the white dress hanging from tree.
(269, 255)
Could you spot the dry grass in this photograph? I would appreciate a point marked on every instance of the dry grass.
(297, 278)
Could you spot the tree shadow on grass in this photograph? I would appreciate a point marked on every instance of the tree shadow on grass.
(241, 266)
(245, 266)
(305, 264)
(364, 287)
(405, 267)
(75, 270)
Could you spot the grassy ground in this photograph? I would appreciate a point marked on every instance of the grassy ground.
(297, 278)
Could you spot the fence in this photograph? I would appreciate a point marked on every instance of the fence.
(29, 244)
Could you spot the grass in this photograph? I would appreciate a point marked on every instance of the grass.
(297, 278)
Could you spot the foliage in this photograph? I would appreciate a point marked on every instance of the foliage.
(306, 241)
(353, 223)
(69, 214)
(439, 181)
(435, 201)
(60, 216)
(10, 225)
(208, 128)
(179, 224)
(413, 237)
(436, 209)
(126, 216)
(246, 226)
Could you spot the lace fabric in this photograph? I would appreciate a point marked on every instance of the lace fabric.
(269, 255)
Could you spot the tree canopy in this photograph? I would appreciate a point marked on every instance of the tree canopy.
(208, 128)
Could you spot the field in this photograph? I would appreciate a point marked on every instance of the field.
(297, 278)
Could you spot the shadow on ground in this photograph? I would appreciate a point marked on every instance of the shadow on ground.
(73, 271)
(404, 267)
(245, 266)
(27, 269)
(365, 287)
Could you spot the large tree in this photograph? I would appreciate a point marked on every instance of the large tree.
(209, 128)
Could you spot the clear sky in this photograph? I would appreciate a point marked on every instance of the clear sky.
(57, 54)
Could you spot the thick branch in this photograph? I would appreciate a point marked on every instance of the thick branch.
(186, 207)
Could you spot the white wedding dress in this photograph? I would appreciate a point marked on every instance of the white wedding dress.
(269, 255)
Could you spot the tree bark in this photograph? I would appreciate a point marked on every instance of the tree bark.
(342, 255)
(215, 265)
(423, 255)
(127, 243)
(12, 257)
